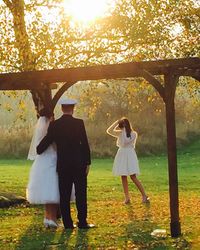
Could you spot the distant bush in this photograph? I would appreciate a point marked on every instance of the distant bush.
(15, 141)
(99, 107)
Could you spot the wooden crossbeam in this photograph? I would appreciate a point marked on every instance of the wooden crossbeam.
(25, 86)
(196, 77)
(187, 72)
(33, 79)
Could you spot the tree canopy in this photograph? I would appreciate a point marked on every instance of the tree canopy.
(41, 34)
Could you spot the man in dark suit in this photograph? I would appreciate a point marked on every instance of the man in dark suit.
(73, 161)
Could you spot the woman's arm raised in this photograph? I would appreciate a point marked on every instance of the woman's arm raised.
(112, 130)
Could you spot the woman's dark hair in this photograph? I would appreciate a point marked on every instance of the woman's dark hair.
(46, 112)
(124, 123)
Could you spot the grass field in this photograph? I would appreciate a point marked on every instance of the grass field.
(118, 226)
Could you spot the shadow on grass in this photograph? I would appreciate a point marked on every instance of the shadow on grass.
(82, 241)
(35, 236)
(138, 234)
(66, 240)
(62, 242)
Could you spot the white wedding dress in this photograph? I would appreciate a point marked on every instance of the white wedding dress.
(43, 180)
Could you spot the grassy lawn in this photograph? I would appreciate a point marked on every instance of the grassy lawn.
(118, 226)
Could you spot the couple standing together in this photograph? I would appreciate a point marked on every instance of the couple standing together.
(61, 155)
(62, 159)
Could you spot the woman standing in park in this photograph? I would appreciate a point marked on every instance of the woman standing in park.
(126, 162)
(43, 180)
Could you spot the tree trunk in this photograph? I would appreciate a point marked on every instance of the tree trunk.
(42, 97)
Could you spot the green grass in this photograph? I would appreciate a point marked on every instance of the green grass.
(118, 226)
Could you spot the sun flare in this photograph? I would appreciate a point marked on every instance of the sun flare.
(86, 10)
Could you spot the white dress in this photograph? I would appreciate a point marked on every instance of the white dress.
(43, 180)
(125, 162)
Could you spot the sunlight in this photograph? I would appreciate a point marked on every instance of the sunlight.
(176, 30)
(86, 11)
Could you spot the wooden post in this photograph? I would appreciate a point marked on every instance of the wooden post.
(60, 92)
(170, 88)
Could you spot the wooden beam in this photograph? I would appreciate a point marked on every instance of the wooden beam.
(112, 71)
(196, 77)
(187, 72)
(153, 81)
(27, 86)
(170, 87)
(60, 92)
(72, 74)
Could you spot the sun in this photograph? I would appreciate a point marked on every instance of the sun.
(86, 10)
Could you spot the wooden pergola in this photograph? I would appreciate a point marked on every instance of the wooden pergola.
(44, 81)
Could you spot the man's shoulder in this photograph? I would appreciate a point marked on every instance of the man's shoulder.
(55, 122)
(78, 122)
(61, 120)
(78, 119)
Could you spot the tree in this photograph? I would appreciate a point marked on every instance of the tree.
(40, 35)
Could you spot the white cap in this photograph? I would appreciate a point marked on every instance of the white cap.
(65, 101)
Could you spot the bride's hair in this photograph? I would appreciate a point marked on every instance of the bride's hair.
(46, 112)
(124, 123)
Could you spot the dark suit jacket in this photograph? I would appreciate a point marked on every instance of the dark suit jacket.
(71, 140)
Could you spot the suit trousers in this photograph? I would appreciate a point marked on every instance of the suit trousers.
(76, 175)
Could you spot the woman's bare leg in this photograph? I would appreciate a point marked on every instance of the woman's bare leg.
(46, 211)
(51, 211)
(140, 187)
(125, 187)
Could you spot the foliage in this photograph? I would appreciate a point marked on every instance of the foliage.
(100, 103)
(103, 102)
(133, 30)
(118, 226)
(42, 35)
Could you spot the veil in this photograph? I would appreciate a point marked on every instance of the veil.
(39, 133)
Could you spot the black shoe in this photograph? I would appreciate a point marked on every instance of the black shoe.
(70, 226)
(86, 226)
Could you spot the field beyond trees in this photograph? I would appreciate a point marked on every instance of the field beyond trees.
(118, 226)
(100, 104)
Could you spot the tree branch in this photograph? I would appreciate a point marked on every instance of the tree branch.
(8, 3)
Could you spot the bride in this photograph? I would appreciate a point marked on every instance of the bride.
(43, 180)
